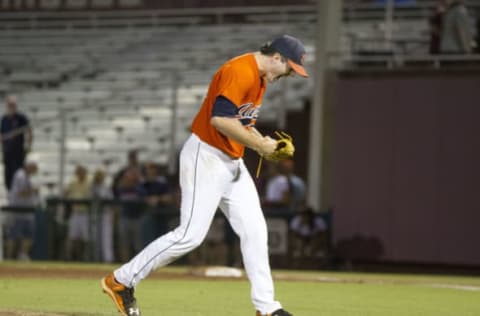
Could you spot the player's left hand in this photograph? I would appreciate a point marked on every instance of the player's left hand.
(284, 148)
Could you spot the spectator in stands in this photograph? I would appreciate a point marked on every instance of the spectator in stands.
(132, 164)
(456, 31)
(101, 191)
(155, 187)
(285, 189)
(158, 195)
(78, 224)
(477, 37)
(307, 234)
(436, 24)
(16, 136)
(130, 192)
(21, 225)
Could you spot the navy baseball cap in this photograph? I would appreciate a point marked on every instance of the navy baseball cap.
(292, 49)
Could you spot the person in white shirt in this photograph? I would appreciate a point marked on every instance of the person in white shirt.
(101, 191)
(285, 189)
(79, 188)
(21, 225)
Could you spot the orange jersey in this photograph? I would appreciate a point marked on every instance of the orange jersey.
(239, 81)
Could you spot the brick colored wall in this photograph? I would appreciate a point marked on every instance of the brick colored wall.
(406, 167)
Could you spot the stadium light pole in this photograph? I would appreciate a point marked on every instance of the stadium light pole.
(282, 107)
(172, 157)
(62, 148)
(329, 19)
(1, 236)
(389, 11)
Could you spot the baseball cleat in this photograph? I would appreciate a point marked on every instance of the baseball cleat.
(279, 312)
(121, 295)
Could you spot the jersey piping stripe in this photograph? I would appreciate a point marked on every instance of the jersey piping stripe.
(188, 224)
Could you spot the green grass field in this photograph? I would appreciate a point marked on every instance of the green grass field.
(311, 294)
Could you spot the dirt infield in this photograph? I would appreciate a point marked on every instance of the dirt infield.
(76, 273)
(19, 313)
(197, 273)
(37, 272)
(71, 273)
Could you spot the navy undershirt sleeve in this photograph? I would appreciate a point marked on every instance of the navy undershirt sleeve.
(224, 107)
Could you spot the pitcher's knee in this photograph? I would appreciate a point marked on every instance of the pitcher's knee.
(191, 242)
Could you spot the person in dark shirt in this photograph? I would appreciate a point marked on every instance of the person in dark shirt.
(155, 187)
(132, 165)
(16, 136)
(456, 29)
(158, 197)
(436, 23)
(131, 214)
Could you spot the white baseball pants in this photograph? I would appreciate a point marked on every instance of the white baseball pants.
(209, 179)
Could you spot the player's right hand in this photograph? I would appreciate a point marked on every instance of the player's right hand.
(266, 146)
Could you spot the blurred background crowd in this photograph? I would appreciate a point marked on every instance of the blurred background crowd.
(144, 193)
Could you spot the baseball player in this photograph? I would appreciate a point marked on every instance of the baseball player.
(213, 174)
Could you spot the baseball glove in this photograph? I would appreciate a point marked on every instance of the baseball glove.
(284, 150)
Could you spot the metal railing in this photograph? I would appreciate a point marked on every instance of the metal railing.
(145, 18)
(55, 215)
(389, 61)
